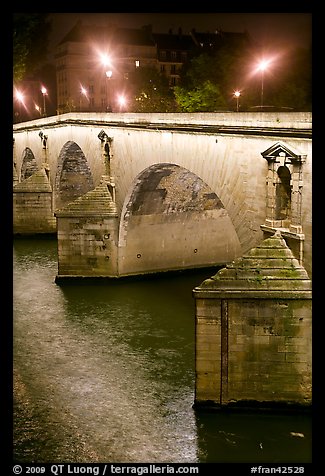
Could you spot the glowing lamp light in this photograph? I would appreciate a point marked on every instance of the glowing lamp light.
(106, 60)
(262, 66)
(44, 92)
(237, 96)
(121, 101)
(20, 96)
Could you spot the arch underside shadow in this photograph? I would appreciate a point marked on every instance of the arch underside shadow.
(29, 164)
(173, 220)
(73, 177)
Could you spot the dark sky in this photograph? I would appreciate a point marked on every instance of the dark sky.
(269, 29)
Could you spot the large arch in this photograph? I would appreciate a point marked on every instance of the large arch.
(171, 219)
(73, 175)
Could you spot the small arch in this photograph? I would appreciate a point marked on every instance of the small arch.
(284, 188)
(283, 194)
(29, 165)
(73, 176)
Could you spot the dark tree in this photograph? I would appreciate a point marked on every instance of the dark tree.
(30, 42)
(212, 76)
(293, 89)
(149, 91)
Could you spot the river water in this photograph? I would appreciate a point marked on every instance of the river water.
(104, 372)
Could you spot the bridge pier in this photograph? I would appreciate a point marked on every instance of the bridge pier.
(88, 235)
(254, 332)
(33, 205)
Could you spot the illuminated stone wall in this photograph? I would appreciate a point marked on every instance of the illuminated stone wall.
(32, 205)
(254, 332)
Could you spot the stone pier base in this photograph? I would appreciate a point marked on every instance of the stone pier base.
(253, 332)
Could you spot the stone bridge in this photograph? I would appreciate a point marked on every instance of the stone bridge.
(140, 193)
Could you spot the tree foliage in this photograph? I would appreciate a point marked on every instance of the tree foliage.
(209, 77)
(30, 41)
(149, 91)
(204, 98)
(209, 80)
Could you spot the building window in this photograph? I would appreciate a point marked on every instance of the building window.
(137, 63)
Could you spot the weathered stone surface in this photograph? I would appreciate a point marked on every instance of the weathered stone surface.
(87, 235)
(97, 202)
(269, 266)
(253, 332)
(32, 205)
(36, 183)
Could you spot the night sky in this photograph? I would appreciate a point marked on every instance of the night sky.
(276, 29)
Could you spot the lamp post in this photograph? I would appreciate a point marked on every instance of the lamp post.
(44, 92)
(108, 91)
(262, 66)
(237, 96)
(107, 63)
(83, 92)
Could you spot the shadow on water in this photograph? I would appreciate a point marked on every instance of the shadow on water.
(107, 369)
(253, 437)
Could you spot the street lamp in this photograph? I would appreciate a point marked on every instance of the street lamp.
(20, 98)
(83, 92)
(107, 63)
(108, 91)
(121, 101)
(44, 92)
(38, 109)
(262, 66)
(237, 96)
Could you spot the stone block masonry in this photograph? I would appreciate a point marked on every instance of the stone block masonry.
(87, 235)
(32, 205)
(253, 332)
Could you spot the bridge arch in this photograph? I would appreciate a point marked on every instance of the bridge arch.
(29, 164)
(171, 219)
(73, 175)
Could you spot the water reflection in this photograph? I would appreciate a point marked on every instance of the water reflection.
(105, 372)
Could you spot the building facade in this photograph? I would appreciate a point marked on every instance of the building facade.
(94, 64)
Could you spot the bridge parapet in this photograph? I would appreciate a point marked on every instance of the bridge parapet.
(211, 122)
